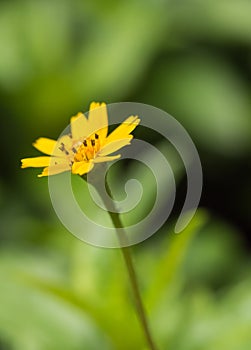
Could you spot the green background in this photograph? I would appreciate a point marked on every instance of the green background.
(190, 58)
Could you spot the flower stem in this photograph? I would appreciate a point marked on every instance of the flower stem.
(132, 275)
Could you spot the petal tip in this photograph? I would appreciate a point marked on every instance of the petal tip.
(24, 163)
(95, 105)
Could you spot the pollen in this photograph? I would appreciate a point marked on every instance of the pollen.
(87, 150)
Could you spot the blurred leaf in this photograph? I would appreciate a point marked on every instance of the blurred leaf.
(106, 311)
(216, 257)
(174, 250)
(218, 20)
(33, 319)
(43, 64)
(119, 175)
(207, 96)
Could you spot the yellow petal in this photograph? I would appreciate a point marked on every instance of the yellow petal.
(80, 127)
(45, 145)
(98, 120)
(106, 159)
(66, 139)
(39, 162)
(66, 142)
(114, 146)
(55, 169)
(123, 130)
(81, 168)
(36, 162)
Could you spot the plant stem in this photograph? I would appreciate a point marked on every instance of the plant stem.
(132, 275)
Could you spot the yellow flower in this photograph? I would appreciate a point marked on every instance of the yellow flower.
(87, 144)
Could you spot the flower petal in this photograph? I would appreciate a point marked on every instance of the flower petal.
(98, 120)
(82, 168)
(106, 159)
(114, 146)
(123, 131)
(63, 146)
(80, 127)
(39, 162)
(45, 145)
(55, 169)
(36, 162)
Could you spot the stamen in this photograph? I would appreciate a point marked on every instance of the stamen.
(62, 147)
(86, 149)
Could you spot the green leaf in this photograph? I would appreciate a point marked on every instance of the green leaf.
(169, 261)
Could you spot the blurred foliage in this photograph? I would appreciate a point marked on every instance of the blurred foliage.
(190, 58)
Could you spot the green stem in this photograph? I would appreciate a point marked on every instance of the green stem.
(132, 274)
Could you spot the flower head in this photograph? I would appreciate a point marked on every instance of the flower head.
(86, 145)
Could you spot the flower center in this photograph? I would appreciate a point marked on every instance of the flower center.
(87, 149)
